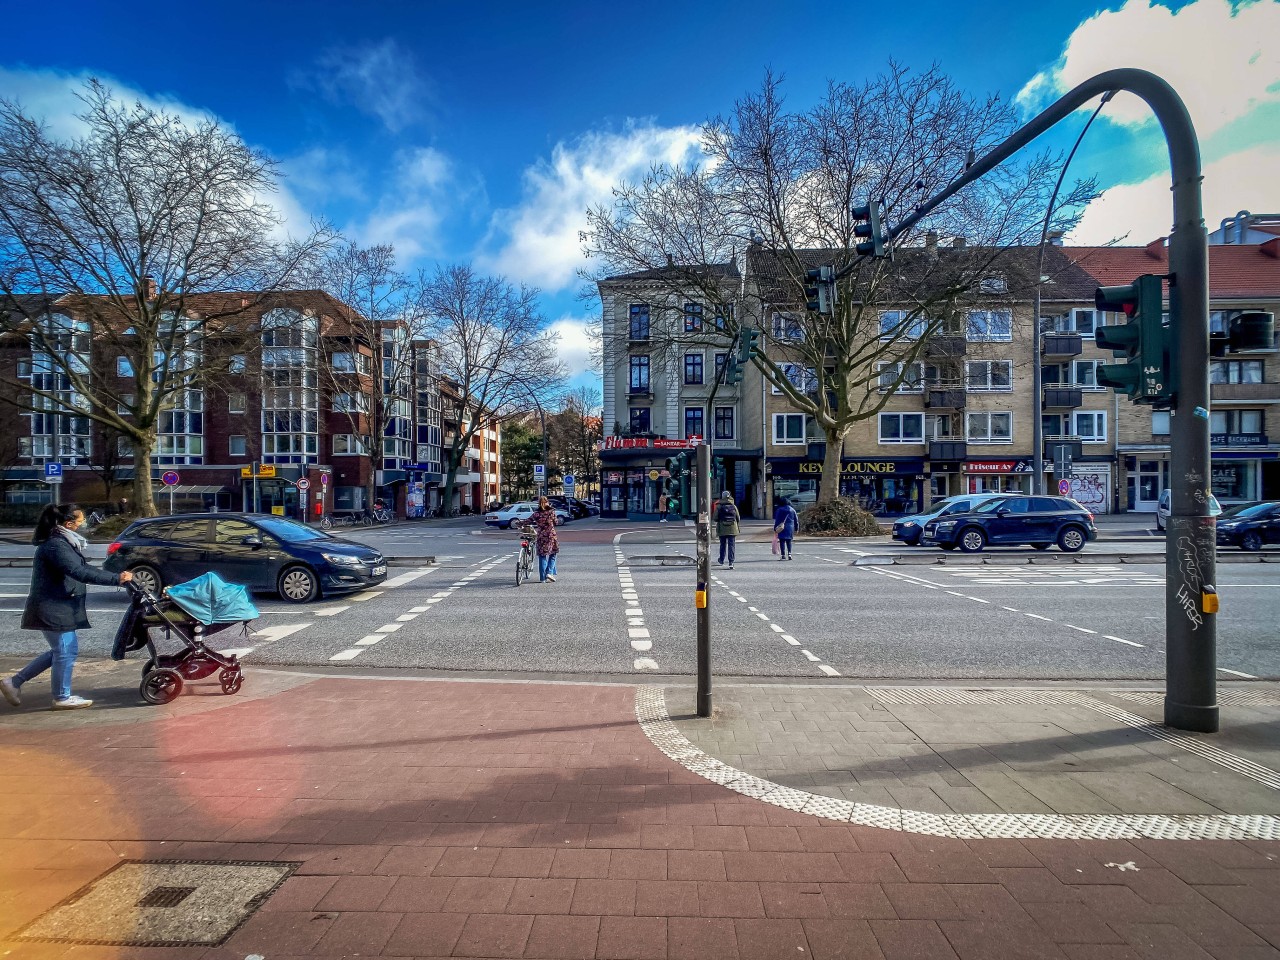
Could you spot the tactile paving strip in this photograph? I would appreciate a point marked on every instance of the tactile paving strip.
(651, 712)
(1226, 698)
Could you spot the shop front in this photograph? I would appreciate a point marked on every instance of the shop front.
(886, 487)
(634, 474)
(998, 476)
(1240, 477)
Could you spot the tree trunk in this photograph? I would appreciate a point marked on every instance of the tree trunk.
(450, 478)
(144, 502)
(829, 485)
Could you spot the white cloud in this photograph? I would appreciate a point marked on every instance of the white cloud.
(538, 240)
(1223, 59)
(574, 345)
(423, 188)
(1241, 181)
(379, 79)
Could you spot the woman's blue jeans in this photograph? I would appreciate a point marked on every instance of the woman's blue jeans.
(546, 566)
(61, 656)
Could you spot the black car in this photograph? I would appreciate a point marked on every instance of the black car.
(259, 551)
(1014, 521)
(1250, 528)
(577, 508)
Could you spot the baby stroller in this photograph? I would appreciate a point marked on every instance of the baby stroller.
(190, 613)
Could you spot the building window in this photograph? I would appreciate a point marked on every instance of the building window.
(724, 314)
(1234, 479)
(993, 285)
(1082, 322)
(639, 326)
(721, 360)
(125, 406)
(1090, 426)
(938, 427)
(236, 364)
(692, 317)
(724, 423)
(693, 368)
(290, 400)
(787, 326)
(799, 376)
(236, 446)
(902, 324)
(350, 403)
(640, 421)
(1051, 424)
(912, 380)
(990, 325)
(639, 382)
(349, 445)
(989, 427)
(988, 375)
(788, 428)
(1160, 420)
(902, 428)
(124, 368)
(124, 447)
(693, 422)
(1235, 371)
(235, 403)
(180, 428)
(1085, 374)
(1234, 422)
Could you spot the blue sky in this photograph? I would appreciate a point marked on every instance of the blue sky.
(479, 132)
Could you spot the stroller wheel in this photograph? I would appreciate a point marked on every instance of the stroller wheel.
(161, 686)
(231, 679)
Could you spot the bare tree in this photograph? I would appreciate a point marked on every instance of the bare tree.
(144, 248)
(777, 198)
(371, 382)
(494, 347)
(575, 431)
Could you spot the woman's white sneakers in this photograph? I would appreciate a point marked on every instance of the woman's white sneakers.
(9, 690)
(551, 578)
(72, 703)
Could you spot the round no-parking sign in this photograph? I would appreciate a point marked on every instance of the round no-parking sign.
(170, 478)
(304, 484)
(1064, 488)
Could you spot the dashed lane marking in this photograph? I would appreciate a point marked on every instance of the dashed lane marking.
(331, 611)
(776, 628)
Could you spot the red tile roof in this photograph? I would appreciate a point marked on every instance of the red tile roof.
(1249, 272)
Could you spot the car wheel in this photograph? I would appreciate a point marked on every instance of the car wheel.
(298, 585)
(148, 578)
(1159, 525)
(972, 540)
(1041, 546)
(1071, 539)
(1251, 541)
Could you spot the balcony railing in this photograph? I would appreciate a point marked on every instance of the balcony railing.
(947, 448)
(945, 345)
(1244, 391)
(1063, 397)
(945, 395)
(1061, 345)
(1053, 443)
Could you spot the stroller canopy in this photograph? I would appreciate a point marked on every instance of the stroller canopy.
(210, 599)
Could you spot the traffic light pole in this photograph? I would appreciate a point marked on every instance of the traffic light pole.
(704, 579)
(1190, 547)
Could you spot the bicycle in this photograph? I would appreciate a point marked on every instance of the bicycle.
(94, 518)
(383, 516)
(524, 559)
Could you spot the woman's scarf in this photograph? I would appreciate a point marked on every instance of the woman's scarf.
(78, 543)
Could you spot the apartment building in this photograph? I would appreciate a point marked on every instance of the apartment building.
(293, 405)
(478, 480)
(664, 346)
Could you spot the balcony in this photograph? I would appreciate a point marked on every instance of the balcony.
(942, 346)
(944, 398)
(947, 448)
(1062, 397)
(1228, 392)
(1073, 447)
(1061, 345)
(635, 390)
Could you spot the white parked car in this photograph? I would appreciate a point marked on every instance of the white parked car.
(519, 513)
(910, 529)
(1163, 509)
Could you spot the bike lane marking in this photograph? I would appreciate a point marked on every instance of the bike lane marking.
(778, 629)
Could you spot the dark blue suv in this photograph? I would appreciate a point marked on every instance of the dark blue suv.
(258, 551)
(1015, 520)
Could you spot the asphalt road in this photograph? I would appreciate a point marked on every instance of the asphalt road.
(834, 613)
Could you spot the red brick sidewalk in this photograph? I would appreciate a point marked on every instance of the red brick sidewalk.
(437, 819)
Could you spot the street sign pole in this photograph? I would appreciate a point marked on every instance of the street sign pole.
(704, 580)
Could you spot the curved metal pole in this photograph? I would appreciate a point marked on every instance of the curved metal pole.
(1190, 548)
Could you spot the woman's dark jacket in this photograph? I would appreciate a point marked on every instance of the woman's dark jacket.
(58, 577)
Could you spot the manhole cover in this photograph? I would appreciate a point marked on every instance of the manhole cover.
(161, 903)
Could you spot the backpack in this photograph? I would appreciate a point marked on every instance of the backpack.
(724, 514)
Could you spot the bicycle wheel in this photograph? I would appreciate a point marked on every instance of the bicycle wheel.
(326, 524)
(528, 563)
(519, 566)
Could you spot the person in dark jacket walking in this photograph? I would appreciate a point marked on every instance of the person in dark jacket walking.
(785, 521)
(56, 604)
(727, 519)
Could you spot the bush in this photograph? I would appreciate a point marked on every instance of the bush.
(111, 527)
(838, 518)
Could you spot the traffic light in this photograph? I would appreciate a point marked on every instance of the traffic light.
(732, 371)
(877, 242)
(819, 290)
(676, 466)
(1143, 341)
(747, 346)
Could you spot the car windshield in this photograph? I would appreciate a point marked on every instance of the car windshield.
(1249, 513)
(291, 532)
(990, 506)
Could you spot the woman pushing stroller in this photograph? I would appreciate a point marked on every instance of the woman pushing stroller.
(56, 604)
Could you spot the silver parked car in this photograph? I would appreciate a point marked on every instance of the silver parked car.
(910, 529)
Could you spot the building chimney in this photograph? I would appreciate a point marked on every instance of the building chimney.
(958, 243)
(1155, 249)
(670, 260)
(1055, 238)
(931, 242)
(148, 288)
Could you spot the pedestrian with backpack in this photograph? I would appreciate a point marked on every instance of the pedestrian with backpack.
(727, 519)
(785, 522)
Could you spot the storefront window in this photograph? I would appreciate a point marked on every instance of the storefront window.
(1235, 480)
(801, 493)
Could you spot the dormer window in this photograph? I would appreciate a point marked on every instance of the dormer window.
(993, 285)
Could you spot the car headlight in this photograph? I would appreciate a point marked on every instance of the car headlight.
(909, 523)
(341, 559)
(945, 526)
